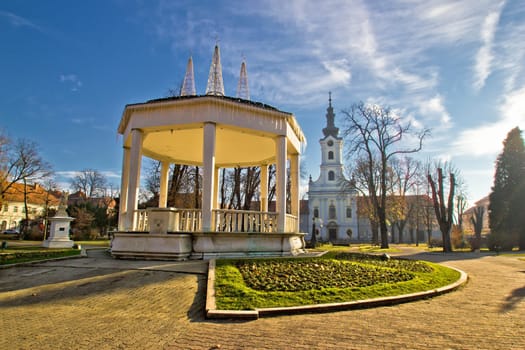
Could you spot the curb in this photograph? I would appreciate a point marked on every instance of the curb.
(82, 254)
(213, 313)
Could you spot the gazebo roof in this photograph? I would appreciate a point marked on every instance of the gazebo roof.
(245, 129)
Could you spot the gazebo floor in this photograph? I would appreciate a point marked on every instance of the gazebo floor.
(205, 245)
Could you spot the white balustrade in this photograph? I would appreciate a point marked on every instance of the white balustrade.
(223, 220)
(141, 223)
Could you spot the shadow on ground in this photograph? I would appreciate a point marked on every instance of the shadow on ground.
(512, 301)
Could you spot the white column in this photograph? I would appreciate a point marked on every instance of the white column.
(216, 188)
(124, 182)
(280, 143)
(163, 194)
(208, 186)
(294, 190)
(264, 188)
(134, 178)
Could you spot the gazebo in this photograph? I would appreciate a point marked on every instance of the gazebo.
(211, 131)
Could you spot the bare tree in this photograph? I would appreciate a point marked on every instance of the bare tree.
(405, 173)
(20, 162)
(477, 222)
(25, 164)
(90, 181)
(360, 181)
(444, 209)
(376, 132)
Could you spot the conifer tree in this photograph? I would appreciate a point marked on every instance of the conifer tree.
(507, 199)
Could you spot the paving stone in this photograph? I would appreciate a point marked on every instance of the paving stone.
(101, 303)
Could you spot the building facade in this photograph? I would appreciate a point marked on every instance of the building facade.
(13, 210)
(332, 199)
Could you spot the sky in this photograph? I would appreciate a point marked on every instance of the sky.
(68, 68)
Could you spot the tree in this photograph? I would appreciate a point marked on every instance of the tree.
(477, 222)
(405, 173)
(444, 210)
(22, 163)
(91, 182)
(506, 219)
(376, 133)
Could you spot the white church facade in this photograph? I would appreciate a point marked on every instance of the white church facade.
(332, 200)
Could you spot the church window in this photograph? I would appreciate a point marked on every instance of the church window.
(348, 212)
(331, 212)
(5, 207)
(15, 209)
(330, 155)
(331, 176)
(316, 212)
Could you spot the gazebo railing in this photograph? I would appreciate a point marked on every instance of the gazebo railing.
(223, 220)
(141, 217)
(291, 223)
(189, 220)
(226, 220)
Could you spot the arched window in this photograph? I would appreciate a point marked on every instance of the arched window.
(348, 212)
(331, 212)
(316, 212)
(330, 155)
(331, 176)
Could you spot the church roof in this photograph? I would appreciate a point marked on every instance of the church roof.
(330, 129)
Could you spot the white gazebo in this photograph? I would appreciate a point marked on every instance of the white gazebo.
(211, 132)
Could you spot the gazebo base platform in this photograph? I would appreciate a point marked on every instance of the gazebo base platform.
(205, 245)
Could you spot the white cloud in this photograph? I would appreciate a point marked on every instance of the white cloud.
(18, 21)
(72, 80)
(485, 56)
(434, 108)
(487, 139)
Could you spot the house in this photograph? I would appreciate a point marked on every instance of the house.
(13, 210)
(468, 227)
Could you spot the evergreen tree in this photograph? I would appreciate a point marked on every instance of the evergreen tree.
(507, 222)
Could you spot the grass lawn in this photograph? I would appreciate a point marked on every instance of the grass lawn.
(338, 276)
(367, 248)
(19, 254)
(102, 243)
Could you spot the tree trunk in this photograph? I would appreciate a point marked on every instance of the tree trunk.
(443, 213)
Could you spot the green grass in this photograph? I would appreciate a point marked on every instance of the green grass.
(16, 255)
(376, 249)
(97, 243)
(335, 277)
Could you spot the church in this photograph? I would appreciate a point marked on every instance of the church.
(332, 199)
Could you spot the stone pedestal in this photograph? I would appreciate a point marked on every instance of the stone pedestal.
(59, 232)
(163, 220)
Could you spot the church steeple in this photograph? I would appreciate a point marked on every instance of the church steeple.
(188, 85)
(215, 85)
(243, 91)
(330, 116)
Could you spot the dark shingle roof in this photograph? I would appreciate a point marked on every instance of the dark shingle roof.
(228, 98)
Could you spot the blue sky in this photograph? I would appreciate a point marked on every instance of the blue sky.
(68, 68)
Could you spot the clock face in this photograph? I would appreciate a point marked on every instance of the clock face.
(330, 143)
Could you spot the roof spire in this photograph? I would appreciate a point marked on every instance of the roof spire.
(215, 85)
(188, 85)
(330, 116)
(243, 91)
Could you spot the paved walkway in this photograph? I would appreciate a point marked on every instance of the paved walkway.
(101, 303)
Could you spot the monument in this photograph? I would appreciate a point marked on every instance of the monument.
(59, 231)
